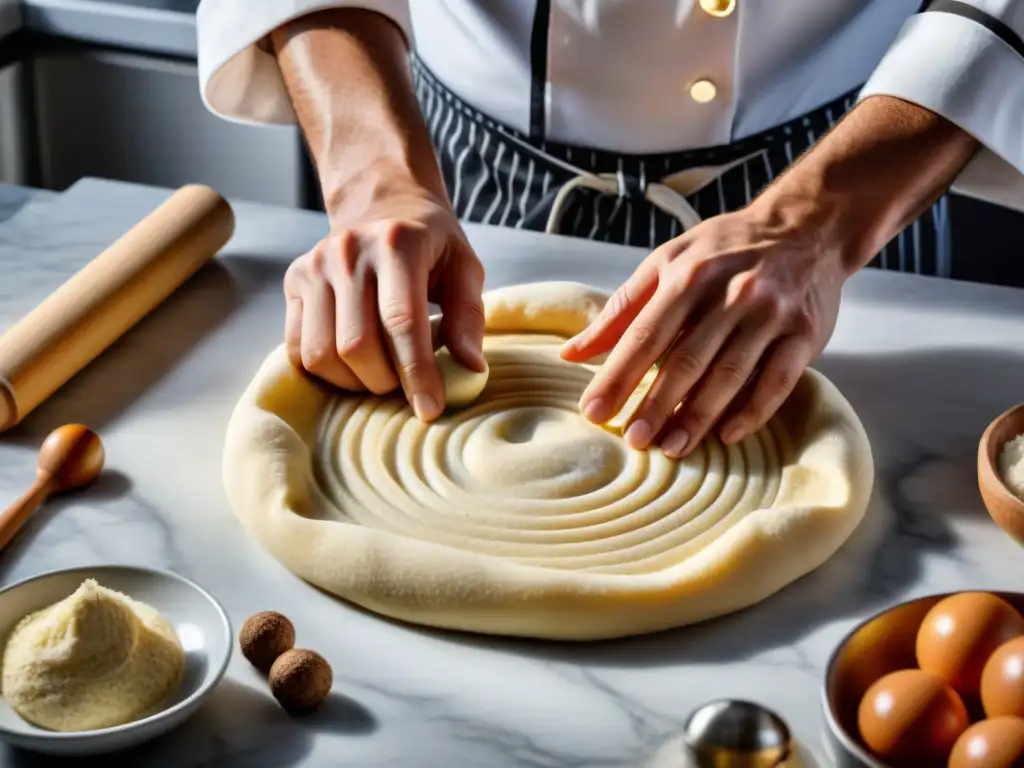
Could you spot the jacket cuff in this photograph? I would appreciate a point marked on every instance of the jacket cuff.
(959, 68)
(240, 81)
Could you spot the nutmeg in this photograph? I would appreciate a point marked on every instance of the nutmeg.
(300, 680)
(264, 637)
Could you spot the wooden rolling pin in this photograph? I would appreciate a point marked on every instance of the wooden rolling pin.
(108, 296)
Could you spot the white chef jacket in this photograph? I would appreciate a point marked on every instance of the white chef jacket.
(647, 76)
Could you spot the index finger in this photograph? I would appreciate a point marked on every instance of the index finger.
(652, 332)
(619, 311)
(405, 317)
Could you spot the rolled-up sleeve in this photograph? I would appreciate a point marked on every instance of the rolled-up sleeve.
(239, 80)
(964, 60)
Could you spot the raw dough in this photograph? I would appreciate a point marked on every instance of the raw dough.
(516, 516)
(462, 385)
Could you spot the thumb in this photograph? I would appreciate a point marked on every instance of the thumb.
(462, 306)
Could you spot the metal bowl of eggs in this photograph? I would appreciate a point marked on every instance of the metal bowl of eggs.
(937, 681)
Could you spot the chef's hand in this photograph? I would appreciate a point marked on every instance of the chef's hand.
(357, 312)
(742, 303)
(357, 303)
(738, 310)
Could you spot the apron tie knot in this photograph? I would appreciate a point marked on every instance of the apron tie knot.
(667, 193)
(631, 187)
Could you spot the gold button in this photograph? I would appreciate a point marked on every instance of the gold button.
(703, 91)
(719, 8)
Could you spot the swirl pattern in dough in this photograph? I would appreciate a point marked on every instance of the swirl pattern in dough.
(516, 516)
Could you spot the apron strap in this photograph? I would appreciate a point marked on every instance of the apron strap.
(669, 193)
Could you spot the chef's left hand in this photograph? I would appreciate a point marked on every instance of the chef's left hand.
(738, 305)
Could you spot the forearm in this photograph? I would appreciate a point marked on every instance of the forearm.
(879, 169)
(347, 74)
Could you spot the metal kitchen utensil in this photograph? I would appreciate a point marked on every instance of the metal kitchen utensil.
(737, 734)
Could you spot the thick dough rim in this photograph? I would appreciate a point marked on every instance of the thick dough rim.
(268, 474)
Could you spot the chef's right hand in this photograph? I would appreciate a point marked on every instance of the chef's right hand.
(357, 313)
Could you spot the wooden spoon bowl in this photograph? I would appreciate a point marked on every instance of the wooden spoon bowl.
(1003, 505)
(71, 458)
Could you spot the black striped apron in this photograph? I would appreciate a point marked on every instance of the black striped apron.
(497, 175)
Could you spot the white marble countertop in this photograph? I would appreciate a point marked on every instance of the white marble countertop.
(927, 364)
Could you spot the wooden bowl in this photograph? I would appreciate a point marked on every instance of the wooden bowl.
(1004, 507)
(884, 643)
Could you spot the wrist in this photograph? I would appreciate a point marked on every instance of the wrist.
(863, 183)
(822, 225)
(358, 192)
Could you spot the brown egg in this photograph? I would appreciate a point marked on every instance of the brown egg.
(1002, 680)
(994, 743)
(911, 719)
(959, 634)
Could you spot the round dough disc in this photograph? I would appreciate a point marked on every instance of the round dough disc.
(516, 516)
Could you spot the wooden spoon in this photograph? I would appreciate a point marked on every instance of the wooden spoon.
(71, 457)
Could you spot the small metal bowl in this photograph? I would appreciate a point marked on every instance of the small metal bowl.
(1004, 507)
(873, 649)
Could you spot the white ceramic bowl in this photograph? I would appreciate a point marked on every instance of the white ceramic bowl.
(197, 617)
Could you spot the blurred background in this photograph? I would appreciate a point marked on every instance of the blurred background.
(109, 88)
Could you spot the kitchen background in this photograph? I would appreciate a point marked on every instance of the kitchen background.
(108, 88)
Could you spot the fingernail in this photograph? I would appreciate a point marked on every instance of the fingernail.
(595, 409)
(425, 406)
(472, 350)
(732, 433)
(581, 337)
(675, 443)
(639, 434)
(571, 345)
